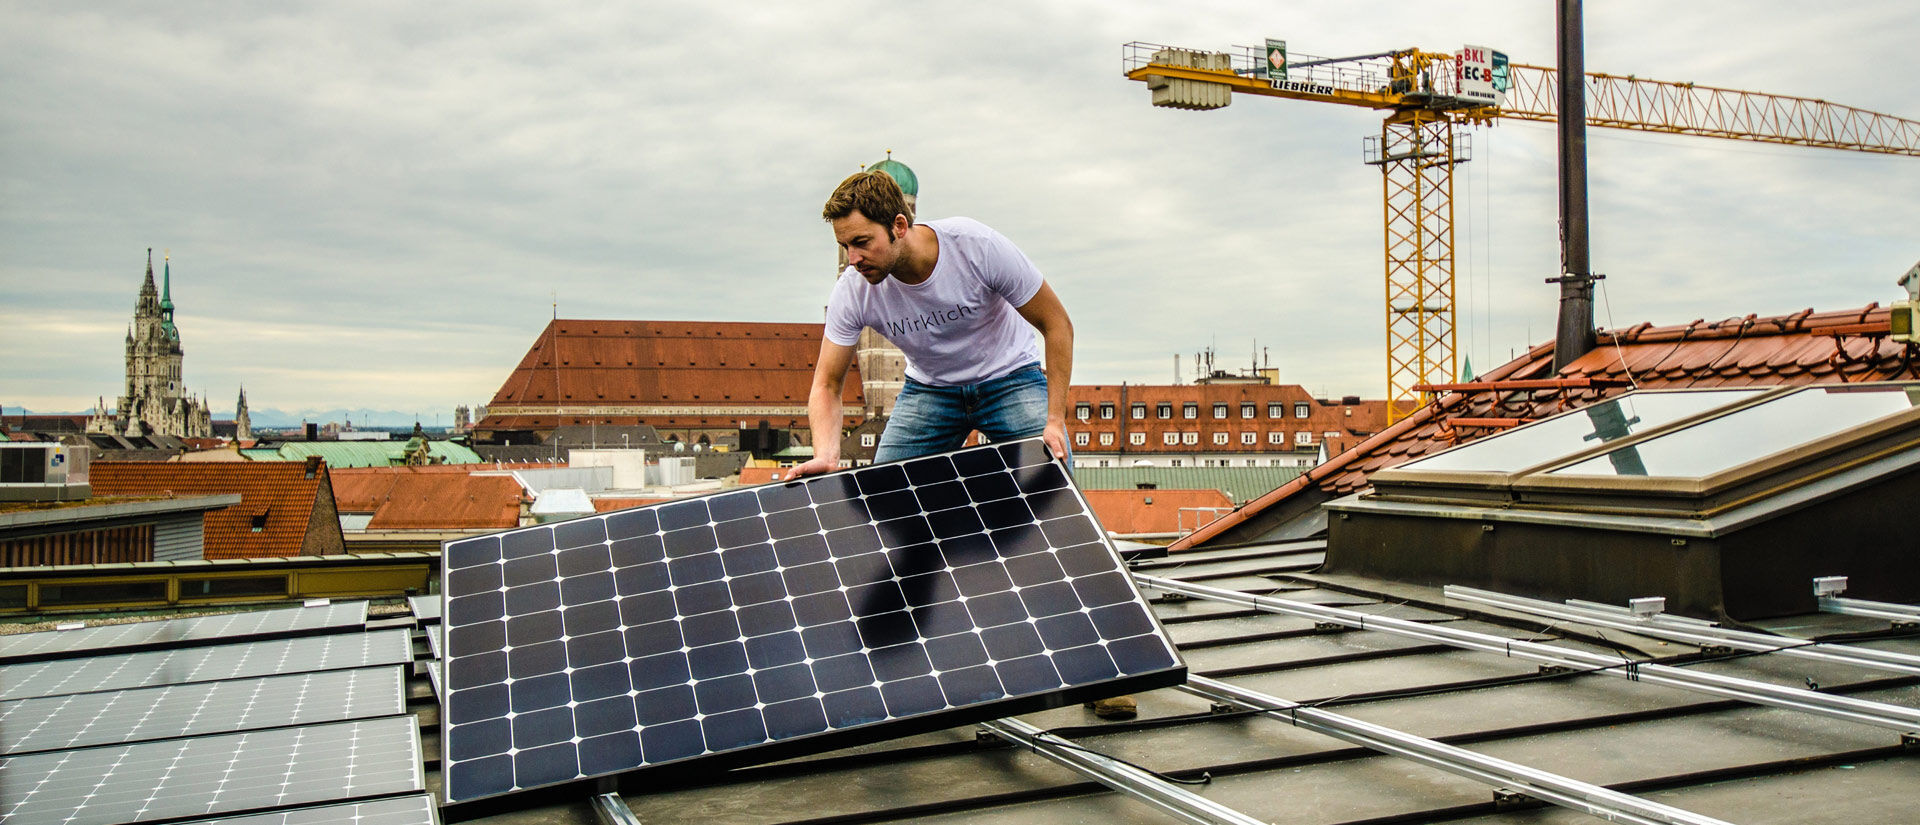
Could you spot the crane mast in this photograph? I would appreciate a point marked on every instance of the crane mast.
(1428, 98)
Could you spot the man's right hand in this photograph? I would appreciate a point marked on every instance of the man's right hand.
(818, 465)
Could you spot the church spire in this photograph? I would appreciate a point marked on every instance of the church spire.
(166, 294)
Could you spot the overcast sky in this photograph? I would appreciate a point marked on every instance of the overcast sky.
(373, 204)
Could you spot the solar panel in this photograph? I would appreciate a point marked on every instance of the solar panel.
(400, 810)
(232, 773)
(433, 677)
(425, 608)
(435, 640)
(142, 714)
(205, 664)
(174, 633)
(757, 623)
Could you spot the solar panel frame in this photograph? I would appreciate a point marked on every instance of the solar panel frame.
(214, 775)
(300, 654)
(415, 809)
(761, 623)
(222, 628)
(426, 609)
(79, 720)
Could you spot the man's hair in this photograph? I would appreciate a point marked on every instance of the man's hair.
(873, 194)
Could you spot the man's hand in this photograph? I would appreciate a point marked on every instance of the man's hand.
(817, 465)
(1055, 437)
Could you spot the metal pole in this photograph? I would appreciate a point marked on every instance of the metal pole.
(1878, 714)
(1893, 612)
(1575, 336)
(1661, 627)
(611, 809)
(1566, 792)
(1166, 797)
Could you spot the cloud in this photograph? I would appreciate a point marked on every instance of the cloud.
(377, 206)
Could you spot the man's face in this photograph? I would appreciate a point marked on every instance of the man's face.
(872, 248)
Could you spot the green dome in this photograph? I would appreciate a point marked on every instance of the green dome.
(909, 183)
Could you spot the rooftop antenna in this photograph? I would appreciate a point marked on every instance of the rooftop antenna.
(1176, 369)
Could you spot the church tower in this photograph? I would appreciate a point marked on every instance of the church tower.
(883, 367)
(242, 423)
(154, 401)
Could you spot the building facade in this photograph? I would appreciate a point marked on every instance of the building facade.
(154, 400)
(1237, 424)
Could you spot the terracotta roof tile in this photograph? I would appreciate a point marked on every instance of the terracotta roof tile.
(684, 364)
(277, 511)
(1749, 351)
(442, 497)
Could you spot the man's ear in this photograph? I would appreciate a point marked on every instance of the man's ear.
(899, 227)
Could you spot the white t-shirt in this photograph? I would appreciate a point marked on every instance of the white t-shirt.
(959, 325)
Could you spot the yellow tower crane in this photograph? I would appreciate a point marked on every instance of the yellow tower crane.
(1427, 97)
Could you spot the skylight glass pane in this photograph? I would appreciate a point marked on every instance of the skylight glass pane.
(1581, 429)
(1720, 443)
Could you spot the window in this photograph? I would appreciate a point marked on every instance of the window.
(1136, 439)
(1190, 410)
(1303, 438)
(1106, 411)
(1106, 439)
(1302, 409)
(1189, 438)
(1208, 462)
(1249, 439)
(1105, 463)
(866, 439)
(1080, 439)
(1246, 410)
(1276, 410)
(1140, 411)
(1083, 411)
(1173, 438)
(1176, 463)
(1219, 411)
(1276, 437)
(1331, 434)
(1163, 410)
(1219, 438)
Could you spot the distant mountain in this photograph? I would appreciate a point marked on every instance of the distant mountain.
(274, 418)
(361, 417)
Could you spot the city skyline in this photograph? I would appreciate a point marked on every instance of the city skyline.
(378, 208)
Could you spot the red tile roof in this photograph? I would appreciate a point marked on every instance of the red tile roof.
(755, 476)
(1129, 512)
(430, 498)
(1805, 347)
(603, 505)
(679, 365)
(290, 502)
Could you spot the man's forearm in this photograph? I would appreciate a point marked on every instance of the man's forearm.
(1059, 344)
(823, 418)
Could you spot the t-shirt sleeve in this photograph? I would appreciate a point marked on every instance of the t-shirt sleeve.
(1006, 270)
(843, 321)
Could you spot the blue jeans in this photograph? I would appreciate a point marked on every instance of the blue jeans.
(928, 419)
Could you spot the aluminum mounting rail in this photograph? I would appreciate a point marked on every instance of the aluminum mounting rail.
(1900, 613)
(1878, 714)
(611, 809)
(1566, 792)
(1164, 796)
(1687, 631)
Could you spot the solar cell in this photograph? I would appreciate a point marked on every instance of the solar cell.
(231, 773)
(302, 654)
(142, 714)
(401, 810)
(174, 633)
(756, 623)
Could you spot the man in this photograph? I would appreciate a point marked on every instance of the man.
(962, 303)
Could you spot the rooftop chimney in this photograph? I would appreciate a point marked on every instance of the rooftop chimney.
(1574, 336)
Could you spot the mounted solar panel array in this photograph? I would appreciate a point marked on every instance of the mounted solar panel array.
(213, 774)
(759, 623)
(205, 664)
(142, 714)
(174, 633)
(402, 810)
